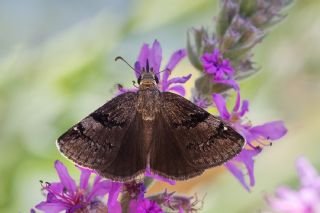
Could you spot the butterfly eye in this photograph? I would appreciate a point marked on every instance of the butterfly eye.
(156, 79)
(139, 79)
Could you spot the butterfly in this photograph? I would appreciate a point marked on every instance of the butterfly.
(150, 130)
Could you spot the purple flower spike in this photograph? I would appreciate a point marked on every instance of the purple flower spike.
(256, 137)
(154, 57)
(66, 195)
(218, 68)
(304, 200)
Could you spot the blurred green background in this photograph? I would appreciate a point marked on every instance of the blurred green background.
(57, 65)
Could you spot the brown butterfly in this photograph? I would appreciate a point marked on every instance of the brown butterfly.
(151, 129)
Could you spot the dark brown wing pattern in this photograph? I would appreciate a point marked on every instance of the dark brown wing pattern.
(187, 139)
(108, 140)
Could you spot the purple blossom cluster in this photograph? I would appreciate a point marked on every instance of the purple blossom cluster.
(224, 55)
(304, 200)
(218, 68)
(67, 196)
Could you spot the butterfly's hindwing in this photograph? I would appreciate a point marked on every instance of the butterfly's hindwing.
(166, 157)
(200, 139)
(102, 140)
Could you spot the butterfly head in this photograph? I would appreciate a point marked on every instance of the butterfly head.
(147, 77)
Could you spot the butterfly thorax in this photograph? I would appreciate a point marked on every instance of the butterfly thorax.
(148, 103)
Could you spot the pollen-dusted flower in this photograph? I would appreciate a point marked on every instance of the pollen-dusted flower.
(256, 136)
(218, 68)
(304, 200)
(153, 55)
(66, 195)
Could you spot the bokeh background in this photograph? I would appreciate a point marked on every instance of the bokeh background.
(57, 65)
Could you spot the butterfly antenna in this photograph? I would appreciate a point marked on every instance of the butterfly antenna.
(166, 69)
(122, 59)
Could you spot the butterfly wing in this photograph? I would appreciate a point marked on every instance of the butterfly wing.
(108, 140)
(187, 139)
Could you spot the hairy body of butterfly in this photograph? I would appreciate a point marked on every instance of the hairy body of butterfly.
(161, 131)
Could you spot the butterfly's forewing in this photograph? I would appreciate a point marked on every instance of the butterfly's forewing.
(189, 139)
(108, 140)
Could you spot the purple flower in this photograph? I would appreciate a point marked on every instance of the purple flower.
(66, 195)
(218, 68)
(154, 56)
(256, 136)
(304, 200)
(138, 203)
(144, 206)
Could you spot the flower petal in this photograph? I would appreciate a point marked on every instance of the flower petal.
(51, 207)
(155, 57)
(180, 80)
(286, 200)
(53, 190)
(65, 178)
(137, 69)
(237, 173)
(237, 104)
(114, 193)
(116, 208)
(244, 108)
(178, 89)
(99, 188)
(175, 58)
(143, 55)
(84, 177)
(272, 130)
(246, 157)
(56, 187)
(307, 173)
(144, 206)
(221, 106)
(133, 206)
